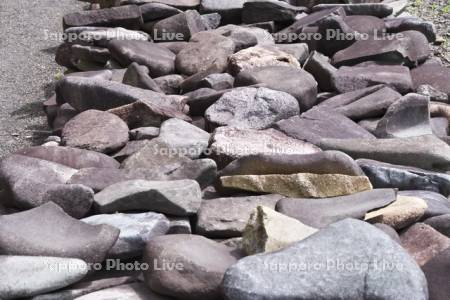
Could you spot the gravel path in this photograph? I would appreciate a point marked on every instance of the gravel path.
(27, 67)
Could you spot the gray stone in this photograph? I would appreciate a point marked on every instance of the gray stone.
(159, 60)
(157, 11)
(427, 152)
(432, 74)
(218, 82)
(391, 232)
(205, 269)
(204, 171)
(179, 225)
(212, 20)
(230, 11)
(434, 94)
(48, 231)
(440, 223)
(245, 37)
(95, 130)
(137, 76)
(135, 231)
(380, 10)
(178, 197)
(170, 84)
(185, 24)
(227, 217)
(436, 272)
(100, 36)
(440, 127)
(320, 67)
(437, 204)
(144, 133)
(133, 291)
(90, 53)
(268, 10)
(320, 213)
(251, 108)
(200, 100)
(25, 276)
(180, 4)
(347, 242)
(401, 24)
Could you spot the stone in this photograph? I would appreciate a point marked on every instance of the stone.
(267, 276)
(170, 84)
(269, 231)
(205, 269)
(259, 56)
(327, 162)
(159, 60)
(157, 11)
(144, 133)
(25, 276)
(410, 48)
(379, 10)
(48, 231)
(440, 223)
(370, 102)
(228, 144)
(183, 25)
(70, 157)
(204, 171)
(100, 36)
(212, 20)
(306, 185)
(391, 232)
(204, 50)
(221, 81)
(230, 11)
(90, 53)
(180, 225)
(317, 124)
(178, 197)
(426, 152)
(133, 291)
(407, 117)
(227, 217)
(183, 138)
(434, 94)
(299, 50)
(433, 75)
(319, 213)
(402, 24)
(245, 37)
(437, 204)
(137, 76)
(268, 10)
(423, 242)
(436, 272)
(399, 214)
(180, 4)
(29, 182)
(128, 16)
(135, 231)
(347, 79)
(251, 108)
(200, 100)
(320, 67)
(385, 175)
(97, 131)
(291, 80)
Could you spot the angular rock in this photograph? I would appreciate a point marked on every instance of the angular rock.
(347, 79)
(269, 231)
(230, 11)
(137, 76)
(440, 223)
(128, 16)
(320, 213)
(271, 276)
(135, 231)
(48, 231)
(380, 10)
(436, 272)
(319, 66)
(205, 269)
(434, 94)
(433, 75)
(204, 171)
(71, 157)
(180, 4)
(268, 10)
(95, 130)
(100, 36)
(260, 56)
(90, 53)
(180, 225)
(133, 291)
(25, 276)
(291, 80)
(227, 217)
(251, 108)
(170, 84)
(218, 82)
(299, 185)
(399, 214)
(317, 124)
(204, 50)
(401, 24)
(160, 61)
(427, 152)
(156, 11)
(184, 25)
(178, 198)
(228, 144)
(245, 37)
(423, 242)
(144, 133)
(212, 20)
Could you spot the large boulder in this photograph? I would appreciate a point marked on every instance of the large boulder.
(197, 265)
(320, 213)
(48, 231)
(436, 272)
(255, 108)
(285, 274)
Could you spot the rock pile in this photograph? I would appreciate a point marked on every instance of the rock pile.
(239, 149)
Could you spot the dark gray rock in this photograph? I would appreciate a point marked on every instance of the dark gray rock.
(245, 37)
(433, 75)
(144, 133)
(227, 217)
(133, 291)
(184, 25)
(319, 66)
(436, 272)
(179, 225)
(95, 130)
(218, 82)
(347, 79)
(137, 76)
(157, 11)
(205, 269)
(90, 53)
(170, 84)
(325, 211)
(437, 204)
(48, 231)
(268, 10)
(409, 116)
(178, 197)
(270, 276)
(440, 223)
(401, 24)
(159, 60)
(317, 124)
(427, 152)
(230, 11)
(291, 80)
(174, 46)
(327, 162)
(180, 4)
(380, 10)
(128, 16)
(251, 108)
(135, 231)
(70, 157)
(200, 100)
(212, 20)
